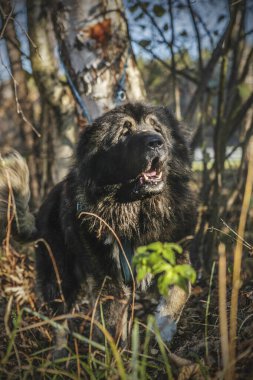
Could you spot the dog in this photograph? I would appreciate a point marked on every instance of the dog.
(130, 181)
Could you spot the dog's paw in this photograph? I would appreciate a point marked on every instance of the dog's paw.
(59, 354)
(167, 327)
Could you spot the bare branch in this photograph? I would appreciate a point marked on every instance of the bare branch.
(6, 21)
(197, 34)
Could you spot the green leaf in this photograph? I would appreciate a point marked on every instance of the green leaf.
(139, 16)
(244, 90)
(144, 43)
(166, 280)
(153, 258)
(182, 283)
(142, 272)
(173, 246)
(169, 255)
(140, 259)
(186, 271)
(144, 4)
(159, 259)
(221, 18)
(158, 10)
(162, 286)
(162, 267)
(184, 33)
(172, 277)
(141, 249)
(157, 246)
(133, 8)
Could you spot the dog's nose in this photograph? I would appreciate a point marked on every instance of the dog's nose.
(154, 141)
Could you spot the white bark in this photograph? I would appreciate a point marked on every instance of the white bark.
(60, 105)
(96, 51)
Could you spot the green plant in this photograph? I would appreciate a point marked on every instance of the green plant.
(159, 259)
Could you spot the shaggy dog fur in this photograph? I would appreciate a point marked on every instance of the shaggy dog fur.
(132, 169)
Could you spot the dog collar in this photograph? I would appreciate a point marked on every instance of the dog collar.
(79, 207)
(129, 251)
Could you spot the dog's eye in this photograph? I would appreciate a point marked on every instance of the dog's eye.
(154, 125)
(127, 124)
(152, 121)
(125, 132)
(126, 128)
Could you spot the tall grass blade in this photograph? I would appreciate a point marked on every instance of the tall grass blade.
(207, 310)
(143, 365)
(223, 310)
(135, 350)
(161, 345)
(238, 260)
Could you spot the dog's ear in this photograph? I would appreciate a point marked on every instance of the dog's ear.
(82, 124)
(184, 128)
(85, 142)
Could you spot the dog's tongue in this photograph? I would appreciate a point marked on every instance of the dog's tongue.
(151, 173)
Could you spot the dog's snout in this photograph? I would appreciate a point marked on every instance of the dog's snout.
(154, 141)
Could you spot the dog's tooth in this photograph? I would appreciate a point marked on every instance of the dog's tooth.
(142, 180)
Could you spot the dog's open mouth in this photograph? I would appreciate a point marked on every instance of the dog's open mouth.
(150, 176)
(150, 181)
(153, 174)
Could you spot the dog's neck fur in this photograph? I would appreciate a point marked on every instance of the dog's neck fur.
(124, 218)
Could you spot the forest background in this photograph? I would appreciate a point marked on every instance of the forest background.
(66, 62)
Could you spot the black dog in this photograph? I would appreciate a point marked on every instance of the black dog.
(131, 172)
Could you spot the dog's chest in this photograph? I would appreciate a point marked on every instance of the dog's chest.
(122, 253)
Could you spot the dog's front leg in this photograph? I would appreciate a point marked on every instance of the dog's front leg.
(169, 310)
(116, 313)
(61, 340)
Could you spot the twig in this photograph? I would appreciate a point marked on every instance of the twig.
(223, 310)
(18, 106)
(6, 22)
(15, 83)
(182, 72)
(77, 359)
(125, 256)
(180, 362)
(94, 312)
(197, 33)
(245, 243)
(58, 278)
(108, 336)
(8, 332)
(238, 260)
(207, 309)
(11, 207)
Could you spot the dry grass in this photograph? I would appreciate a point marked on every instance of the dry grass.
(200, 349)
(27, 336)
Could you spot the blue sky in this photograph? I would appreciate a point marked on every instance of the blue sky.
(213, 14)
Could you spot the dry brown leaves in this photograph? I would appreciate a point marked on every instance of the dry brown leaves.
(17, 276)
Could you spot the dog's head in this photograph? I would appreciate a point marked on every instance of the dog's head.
(130, 149)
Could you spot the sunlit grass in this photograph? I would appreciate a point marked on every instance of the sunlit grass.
(229, 164)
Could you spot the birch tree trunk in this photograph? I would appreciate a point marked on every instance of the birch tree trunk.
(23, 103)
(58, 124)
(96, 51)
